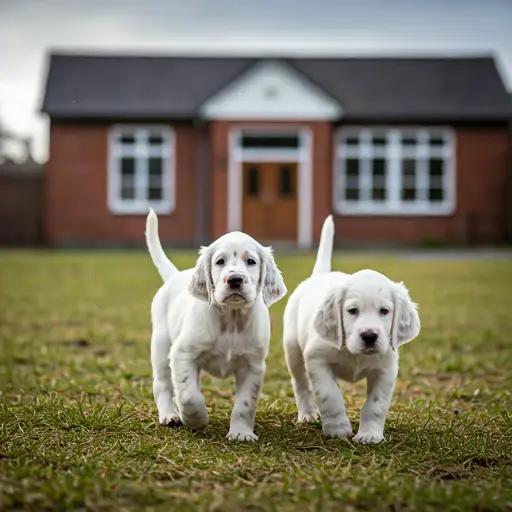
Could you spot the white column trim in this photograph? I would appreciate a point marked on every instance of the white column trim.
(305, 202)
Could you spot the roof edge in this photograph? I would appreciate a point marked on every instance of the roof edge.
(256, 55)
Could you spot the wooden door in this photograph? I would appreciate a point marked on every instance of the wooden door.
(269, 210)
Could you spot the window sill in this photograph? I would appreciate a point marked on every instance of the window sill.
(385, 211)
(120, 208)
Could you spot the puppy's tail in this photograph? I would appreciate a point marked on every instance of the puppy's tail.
(324, 255)
(162, 263)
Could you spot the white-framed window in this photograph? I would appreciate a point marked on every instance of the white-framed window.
(394, 171)
(141, 170)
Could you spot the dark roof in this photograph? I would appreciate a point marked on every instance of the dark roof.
(401, 88)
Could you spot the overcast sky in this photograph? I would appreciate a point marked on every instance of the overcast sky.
(29, 28)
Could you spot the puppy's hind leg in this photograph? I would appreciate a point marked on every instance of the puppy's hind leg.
(162, 381)
(300, 381)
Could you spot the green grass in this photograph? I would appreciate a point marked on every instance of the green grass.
(79, 428)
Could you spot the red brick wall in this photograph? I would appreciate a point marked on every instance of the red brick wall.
(76, 190)
(322, 171)
(76, 205)
(322, 174)
(219, 182)
(482, 162)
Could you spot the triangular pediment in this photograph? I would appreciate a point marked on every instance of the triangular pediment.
(271, 90)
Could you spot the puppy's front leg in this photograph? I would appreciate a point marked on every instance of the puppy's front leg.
(189, 399)
(249, 380)
(380, 386)
(335, 422)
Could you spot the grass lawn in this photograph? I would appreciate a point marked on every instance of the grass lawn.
(79, 428)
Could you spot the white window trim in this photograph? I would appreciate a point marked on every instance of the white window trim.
(120, 206)
(394, 155)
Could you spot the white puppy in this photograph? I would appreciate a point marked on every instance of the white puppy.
(345, 326)
(213, 317)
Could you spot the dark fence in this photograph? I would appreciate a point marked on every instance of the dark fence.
(21, 205)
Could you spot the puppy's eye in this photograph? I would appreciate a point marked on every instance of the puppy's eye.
(250, 262)
(384, 311)
(220, 262)
(352, 311)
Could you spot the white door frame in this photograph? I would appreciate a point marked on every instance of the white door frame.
(301, 155)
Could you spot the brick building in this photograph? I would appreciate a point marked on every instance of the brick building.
(401, 150)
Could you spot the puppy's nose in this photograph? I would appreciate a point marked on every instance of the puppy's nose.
(235, 282)
(369, 338)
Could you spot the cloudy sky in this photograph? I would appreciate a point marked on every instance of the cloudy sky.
(29, 28)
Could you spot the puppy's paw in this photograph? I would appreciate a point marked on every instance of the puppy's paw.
(308, 417)
(196, 426)
(250, 437)
(369, 438)
(195, 419)
(338, 431)
(171, 420)
(169, 417)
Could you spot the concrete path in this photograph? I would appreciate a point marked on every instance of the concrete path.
(459, 254)
(452, 254)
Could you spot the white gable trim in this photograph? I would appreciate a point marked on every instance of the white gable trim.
(271, 91)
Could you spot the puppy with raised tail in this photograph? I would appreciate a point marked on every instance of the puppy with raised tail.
(215, 318)
(345, 326)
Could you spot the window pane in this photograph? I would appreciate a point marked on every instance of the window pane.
(285, 182)
(155, 193)
(408, 180)
(351, 141)
(378, 169)
(437, 141)
(409, 168)
(352, 194)
(155, 167)
(253, 182)
(127, 178)
(379, 141)
(436, 194)
(155, 183)
(127, 166)
(270, 141)
(128, 186)
(435, 167)
(352, 167)
(435, 176)
(379, 194)
(127, 193)
(155, 139)
(352, 180)
(379, 179)
(127, 139)
(408, 194)
(409, 141)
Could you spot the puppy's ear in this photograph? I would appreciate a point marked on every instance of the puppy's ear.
(201, 285)
(271, 281)
(406, 320)
(328, 322)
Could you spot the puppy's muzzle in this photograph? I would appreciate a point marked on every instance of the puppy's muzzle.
(370, 339)
(235, 282)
